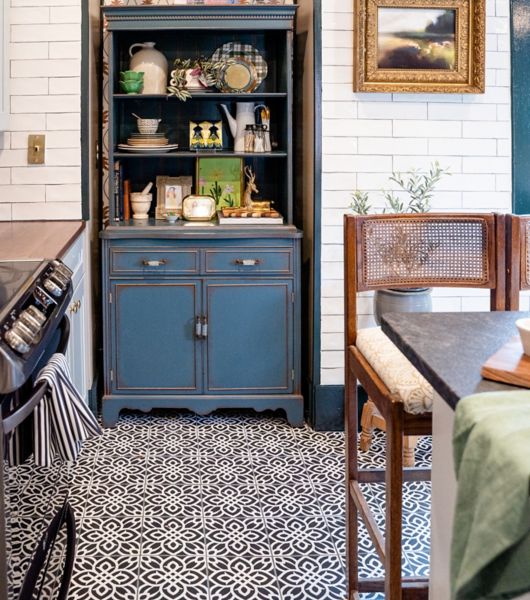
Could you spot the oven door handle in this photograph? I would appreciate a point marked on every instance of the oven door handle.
(65, 516)
(12, 420)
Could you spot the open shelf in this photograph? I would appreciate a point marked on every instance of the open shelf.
(192, 154)
(203, 96)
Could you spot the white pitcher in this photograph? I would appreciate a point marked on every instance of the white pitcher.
(154, 66)
(244, 116)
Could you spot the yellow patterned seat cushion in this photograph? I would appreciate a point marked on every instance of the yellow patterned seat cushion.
(395, 370)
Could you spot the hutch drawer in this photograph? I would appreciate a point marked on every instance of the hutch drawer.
(154, 261)
(249, 260)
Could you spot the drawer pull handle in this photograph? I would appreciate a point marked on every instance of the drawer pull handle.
(248, 262)
(198, 328)
(154, 263)
(204, 328)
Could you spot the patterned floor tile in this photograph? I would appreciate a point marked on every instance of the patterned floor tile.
(226, 501)
(118, 500)
(172, 500)
(282, 470)
(232, 469)
(311, 577)
(106, 536)
(242, 578)
(101, 578)
(300, 536)
(237, 537)
(230, 506)
(173, 578)
(173, 469)
(173, 536)
(288, 500)
(325, 468)
(331, 497)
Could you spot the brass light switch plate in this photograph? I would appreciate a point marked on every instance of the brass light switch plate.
(36, 146)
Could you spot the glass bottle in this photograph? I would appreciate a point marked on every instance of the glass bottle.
(259, 138)
(249, 138)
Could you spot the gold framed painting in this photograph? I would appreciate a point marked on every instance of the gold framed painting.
(420, 46)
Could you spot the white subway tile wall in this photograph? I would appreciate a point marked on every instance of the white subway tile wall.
(366, 136)
(45, 91)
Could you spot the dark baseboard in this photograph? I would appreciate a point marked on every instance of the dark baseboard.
(93, 397)
(326, 411)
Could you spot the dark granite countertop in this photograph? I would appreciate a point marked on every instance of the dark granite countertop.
(449, 349)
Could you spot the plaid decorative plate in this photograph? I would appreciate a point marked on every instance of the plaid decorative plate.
(247, 53)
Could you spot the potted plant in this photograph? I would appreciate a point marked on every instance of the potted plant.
(197, 73)
(418, 190)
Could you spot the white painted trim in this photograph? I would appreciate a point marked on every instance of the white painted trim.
(4, 66)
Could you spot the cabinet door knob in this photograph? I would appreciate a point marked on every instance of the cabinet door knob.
(154, 263)
(248, 262)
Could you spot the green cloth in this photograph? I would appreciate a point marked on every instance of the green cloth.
(490, 554)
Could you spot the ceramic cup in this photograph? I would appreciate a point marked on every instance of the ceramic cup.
(131, 75)
(141, 203)
(148, 125)
(523, 325)
(131, 87)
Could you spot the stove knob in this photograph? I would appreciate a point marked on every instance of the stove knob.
(62, 269)
(60, 278)
(16, 342)
(52, 287)
(37, 314)
(24, 331)
(30, 322)
(42, 297)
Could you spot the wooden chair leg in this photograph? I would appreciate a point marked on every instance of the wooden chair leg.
(409, 450)
(352, 471)
(394, 502)
(367, 426)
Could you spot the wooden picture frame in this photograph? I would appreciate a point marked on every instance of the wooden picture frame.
(441, 51)
(170, 192)
(221, 178)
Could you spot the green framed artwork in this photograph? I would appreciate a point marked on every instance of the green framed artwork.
(221, 178)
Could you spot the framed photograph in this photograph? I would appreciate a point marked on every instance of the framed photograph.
(206, 135)
(420, 46)
(221, 178)
(170, 192)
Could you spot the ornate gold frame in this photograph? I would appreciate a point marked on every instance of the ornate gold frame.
(469, 74)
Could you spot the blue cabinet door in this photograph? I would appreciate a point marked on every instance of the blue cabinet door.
(155, 348)
(250, 336)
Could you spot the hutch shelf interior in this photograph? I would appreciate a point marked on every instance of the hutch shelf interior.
(199, 315)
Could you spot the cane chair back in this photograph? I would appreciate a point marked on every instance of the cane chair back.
(402, 251)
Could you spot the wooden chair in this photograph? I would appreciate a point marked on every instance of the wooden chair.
(517, 258)
(399, 251)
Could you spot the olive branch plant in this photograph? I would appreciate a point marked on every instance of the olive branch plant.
(419, 187)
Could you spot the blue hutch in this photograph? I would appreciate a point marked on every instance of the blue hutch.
(199, 317)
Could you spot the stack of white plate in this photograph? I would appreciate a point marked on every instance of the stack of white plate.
(147, 142)
(147, 139)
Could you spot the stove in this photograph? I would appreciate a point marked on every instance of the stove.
(34, 296)
(33, 299)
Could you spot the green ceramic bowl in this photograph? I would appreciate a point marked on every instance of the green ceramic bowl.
(131, 76)
(131, 87)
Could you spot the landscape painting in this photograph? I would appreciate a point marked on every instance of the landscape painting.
(416, 38)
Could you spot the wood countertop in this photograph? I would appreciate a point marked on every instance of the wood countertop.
(34, 240)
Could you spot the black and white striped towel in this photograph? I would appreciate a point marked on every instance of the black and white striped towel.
(61, 420)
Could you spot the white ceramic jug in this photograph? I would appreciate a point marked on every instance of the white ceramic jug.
(154, 65)
(244, 117)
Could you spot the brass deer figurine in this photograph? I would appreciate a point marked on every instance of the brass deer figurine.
(250, 189)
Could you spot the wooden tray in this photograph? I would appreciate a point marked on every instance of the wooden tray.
(509, 365)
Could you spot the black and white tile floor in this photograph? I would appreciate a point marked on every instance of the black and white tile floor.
(223, 507)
